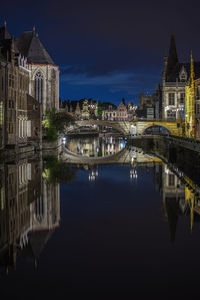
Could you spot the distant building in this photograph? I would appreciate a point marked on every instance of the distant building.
(81, 109)
(121, 113)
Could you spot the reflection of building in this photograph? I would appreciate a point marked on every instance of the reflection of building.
(29, 210)
(173, 195)
(95, 147)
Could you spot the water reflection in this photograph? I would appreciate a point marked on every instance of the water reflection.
(29, 212)
(30, 196)
(96, 146)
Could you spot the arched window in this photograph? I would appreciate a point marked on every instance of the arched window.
(39, 87)
(39, 208)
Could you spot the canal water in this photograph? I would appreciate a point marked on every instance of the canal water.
(130, 227)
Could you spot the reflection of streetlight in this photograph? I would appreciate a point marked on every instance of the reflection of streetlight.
(93, 175)
(133, 174)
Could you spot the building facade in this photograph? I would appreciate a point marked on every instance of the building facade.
(44, 74)
(174, 78)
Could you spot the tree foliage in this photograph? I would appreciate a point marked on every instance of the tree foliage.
(55, 123)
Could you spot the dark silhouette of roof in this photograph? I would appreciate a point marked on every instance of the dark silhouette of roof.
(174, 74)
(30, 46)
(4, 34)
(172, 57)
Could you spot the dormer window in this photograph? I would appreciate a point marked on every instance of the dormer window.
(183, 75)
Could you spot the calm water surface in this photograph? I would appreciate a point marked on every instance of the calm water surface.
(133, 228)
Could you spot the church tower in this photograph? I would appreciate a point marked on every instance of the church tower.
(172, 57)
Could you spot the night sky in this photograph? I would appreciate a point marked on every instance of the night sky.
(107, 50)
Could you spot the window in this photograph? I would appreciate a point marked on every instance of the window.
(171, 114)
(183, 77)
(11, 80)
(39, 208)
(1, 113)
(171, 180)
(39, 87)
(198, 109)
(171, 98)
(182, 98)
(10, 128)
(29, 128)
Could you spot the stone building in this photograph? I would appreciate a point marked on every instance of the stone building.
(118, 114)
(2, 100)
(44, 74)
(174, 78)
(15, 89)
(82, 109)
(34, 124)
(192, 104)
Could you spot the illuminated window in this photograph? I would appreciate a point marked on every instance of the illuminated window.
(1, 113)
(171, 114)
(39, 87)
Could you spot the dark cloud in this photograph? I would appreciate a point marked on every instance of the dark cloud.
(97, 39)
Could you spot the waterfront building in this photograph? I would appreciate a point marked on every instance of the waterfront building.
(121, 113)
(174, 78)
(109, 114)
(15, 89)
(2, 100)
(44, 76)
(192, 104)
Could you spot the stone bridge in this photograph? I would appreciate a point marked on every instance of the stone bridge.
(132, 127)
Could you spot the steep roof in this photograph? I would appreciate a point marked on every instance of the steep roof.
(172, 57)
(174, 74)
(30, 46)
(4, 34)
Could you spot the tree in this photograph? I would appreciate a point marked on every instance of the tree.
(55, 123)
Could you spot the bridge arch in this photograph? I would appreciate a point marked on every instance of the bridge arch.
(121, 127)
(156, 129)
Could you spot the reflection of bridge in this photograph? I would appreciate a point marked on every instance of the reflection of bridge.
(132, 127)
(123, 156)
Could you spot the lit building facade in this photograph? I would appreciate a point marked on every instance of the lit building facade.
(44, 74)
(174, 78)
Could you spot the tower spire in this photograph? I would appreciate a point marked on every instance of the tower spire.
(172, 57)
(191, 69)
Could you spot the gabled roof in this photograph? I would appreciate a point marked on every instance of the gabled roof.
(174, 74)
(172, 57)
(30, 46)
(4, 34)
